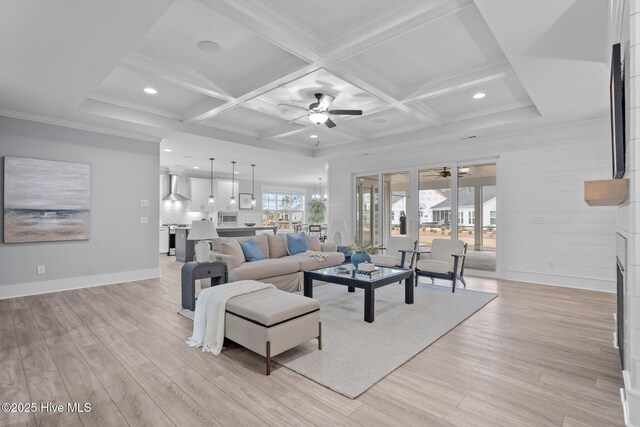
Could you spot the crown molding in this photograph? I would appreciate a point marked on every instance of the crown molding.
(78, 125)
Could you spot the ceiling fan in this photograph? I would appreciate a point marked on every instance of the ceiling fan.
(446, 173)
(319, 111)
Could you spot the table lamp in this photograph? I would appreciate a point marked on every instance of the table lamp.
(202, 231)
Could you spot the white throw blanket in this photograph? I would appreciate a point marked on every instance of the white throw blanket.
(208, 322)
(320, 256)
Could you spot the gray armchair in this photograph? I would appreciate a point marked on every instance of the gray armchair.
(446, 261)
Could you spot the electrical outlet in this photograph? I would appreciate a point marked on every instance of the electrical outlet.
(144, 220)
(537, 220)
(144, 202)
(40, 270)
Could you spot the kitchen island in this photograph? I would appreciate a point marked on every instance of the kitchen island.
(185, 248)
(231, 231)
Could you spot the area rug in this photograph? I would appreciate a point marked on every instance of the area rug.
(355, 354)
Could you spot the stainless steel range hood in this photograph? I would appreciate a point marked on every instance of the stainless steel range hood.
(173, 195)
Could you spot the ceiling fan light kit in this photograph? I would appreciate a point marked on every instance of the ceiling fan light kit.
(318, 118)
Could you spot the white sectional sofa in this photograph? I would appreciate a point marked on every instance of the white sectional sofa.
(278, 267)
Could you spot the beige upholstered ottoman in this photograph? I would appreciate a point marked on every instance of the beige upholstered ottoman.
(271, 321)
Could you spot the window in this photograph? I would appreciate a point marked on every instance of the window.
(492, 217)
(472, 215)
(284, 210)
(460, 218)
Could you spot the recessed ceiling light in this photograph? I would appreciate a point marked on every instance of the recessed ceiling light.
(378, 120)
(209, 46)
(479, 95)
(168, 150)
(196, 167)
(313, 136)
(150, 90)
(236, 172)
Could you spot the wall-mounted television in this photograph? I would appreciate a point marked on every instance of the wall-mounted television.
(616, 89)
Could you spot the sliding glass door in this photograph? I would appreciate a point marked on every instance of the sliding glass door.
(434, 207)
(395, 187)
(452, 201)
(477, 214)
(367, 208)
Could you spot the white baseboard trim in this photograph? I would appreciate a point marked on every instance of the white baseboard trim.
(562, 280)
(630, 399)
(47, 286)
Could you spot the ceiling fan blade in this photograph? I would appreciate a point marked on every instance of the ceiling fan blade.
(292, 106)
(330, 123)
(346, 112)
(324, 102)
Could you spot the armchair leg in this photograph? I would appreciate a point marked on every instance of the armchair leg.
(462, 280)
(415, 274)
(453, 287)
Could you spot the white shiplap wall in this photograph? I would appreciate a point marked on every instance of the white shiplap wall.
(540, 175)
(575, 244)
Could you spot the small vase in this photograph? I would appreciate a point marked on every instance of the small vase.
(359, 258)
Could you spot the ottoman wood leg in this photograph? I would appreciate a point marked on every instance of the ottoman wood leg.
(319, 335)
(268, 358)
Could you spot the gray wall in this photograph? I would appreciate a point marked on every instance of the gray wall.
(123, 171)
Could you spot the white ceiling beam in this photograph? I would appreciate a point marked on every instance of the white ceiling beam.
(420, 116)
(174, 74)
(156, 121)
(460, 127)
(356, 41)
(262, 19)
(201, 115)
(206, 110)
(457, 81)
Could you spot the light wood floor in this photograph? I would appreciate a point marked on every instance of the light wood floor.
(536, 355)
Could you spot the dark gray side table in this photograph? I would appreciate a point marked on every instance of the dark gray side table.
(192, 271)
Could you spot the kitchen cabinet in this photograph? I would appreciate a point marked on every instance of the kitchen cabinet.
(200, 190)
(224, 195)
(164, 240)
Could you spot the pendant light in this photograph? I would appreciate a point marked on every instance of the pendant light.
(232, 199)
(212, 199)
(253, 185)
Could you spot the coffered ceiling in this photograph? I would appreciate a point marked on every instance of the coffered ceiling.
(412, 66)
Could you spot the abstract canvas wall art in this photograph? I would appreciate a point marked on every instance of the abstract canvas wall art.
(46, 201)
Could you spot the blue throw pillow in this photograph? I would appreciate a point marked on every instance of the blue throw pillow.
(297, 245)
(251, 251)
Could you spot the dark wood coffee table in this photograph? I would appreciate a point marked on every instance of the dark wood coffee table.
(352, 280)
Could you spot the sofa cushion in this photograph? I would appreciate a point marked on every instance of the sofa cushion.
(265, 268)
(232, 247)
(277, 245)
(271, 306)
(307, 262)
(314, 243)
(251, 251)
(262, 243)
(297, 244)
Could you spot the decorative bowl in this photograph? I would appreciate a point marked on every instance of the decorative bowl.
(249, 224)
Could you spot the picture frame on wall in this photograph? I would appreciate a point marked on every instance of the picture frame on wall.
(244, 201)
(46, 200)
